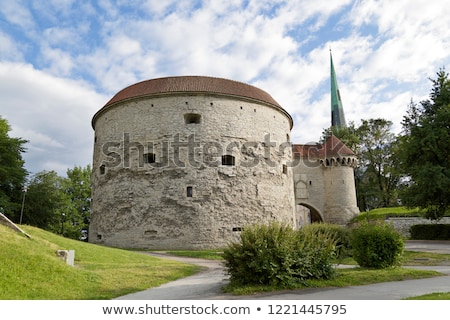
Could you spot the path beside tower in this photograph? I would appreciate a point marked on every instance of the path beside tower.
(207, 284)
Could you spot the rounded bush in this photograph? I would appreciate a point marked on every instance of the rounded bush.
(277, 255)
(377, 246)
(341, 234)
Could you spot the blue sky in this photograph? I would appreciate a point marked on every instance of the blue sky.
(62, 60)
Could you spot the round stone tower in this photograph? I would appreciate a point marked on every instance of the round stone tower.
(324, 182)
(339, 182)
(187, 162)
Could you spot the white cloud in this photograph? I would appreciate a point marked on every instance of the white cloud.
(383, 51)
(53, 113)
(9, 49)
(17, 14)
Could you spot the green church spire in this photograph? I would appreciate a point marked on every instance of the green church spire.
(337, 111)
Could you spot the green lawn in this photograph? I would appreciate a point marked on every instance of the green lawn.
(30, 269)
(344, 277)
(383, 213)
(432, 296)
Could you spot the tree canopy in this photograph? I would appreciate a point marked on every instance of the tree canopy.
(424, 150)
(12, 171)
(376, 176)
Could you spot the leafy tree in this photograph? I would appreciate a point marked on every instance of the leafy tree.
(58, 204)
(377, 175)
(348, 135)
(12, 171)
(77, 187)
(424, 150)
(46, 202)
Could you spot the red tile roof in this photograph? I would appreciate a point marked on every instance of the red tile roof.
(193, 84)
(332, 148)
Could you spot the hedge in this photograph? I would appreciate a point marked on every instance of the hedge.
(430, 232)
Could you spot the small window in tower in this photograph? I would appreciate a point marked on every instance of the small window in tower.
(228, 160)
(236, 229)
(99, 236)
(102, 169)
(285, 171)
(310, 182)
(192, 118)
(149, 158)
(189, 192)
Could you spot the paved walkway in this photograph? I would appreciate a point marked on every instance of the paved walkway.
(207, 284)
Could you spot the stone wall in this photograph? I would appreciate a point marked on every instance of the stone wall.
(328, 190)
(185, 198)
(402, 224)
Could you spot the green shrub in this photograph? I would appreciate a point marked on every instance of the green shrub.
(377, 246)
(430, 232)
(340, 234)
(277, 255)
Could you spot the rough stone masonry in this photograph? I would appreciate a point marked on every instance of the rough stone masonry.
(188, 162)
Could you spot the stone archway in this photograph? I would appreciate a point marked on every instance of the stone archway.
(314, 216)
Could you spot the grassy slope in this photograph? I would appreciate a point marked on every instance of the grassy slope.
(383, 213)
(30, 269)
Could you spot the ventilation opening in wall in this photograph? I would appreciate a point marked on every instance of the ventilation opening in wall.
(189, 192)
(102, 169)
(228, 160)
(235, 229)
(192, 118)
(149, 158)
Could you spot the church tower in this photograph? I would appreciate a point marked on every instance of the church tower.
(337, 111)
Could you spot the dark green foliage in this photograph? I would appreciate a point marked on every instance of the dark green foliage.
(12, 171)
(376, 176)
(424, 151)
(430, 232)
(277, 255)
(377, 246)
(340, 234)
(57, 204)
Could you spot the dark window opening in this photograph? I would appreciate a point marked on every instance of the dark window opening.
(235, 229)
(310, 182)
(192, 118)
(285, 169)
(149, 158)
(102, 169)
(99, 237)
(228, 160)
(189, 192)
